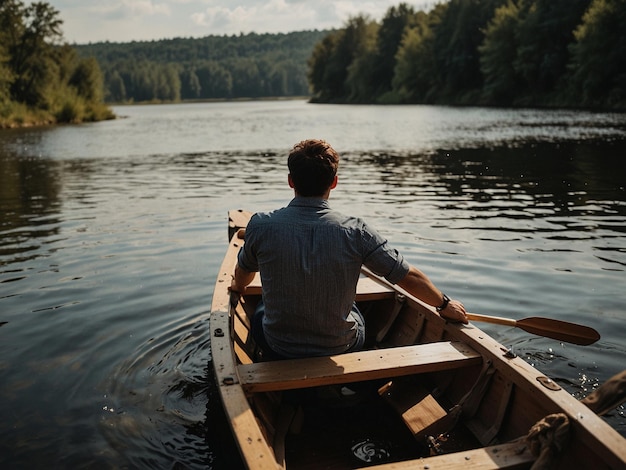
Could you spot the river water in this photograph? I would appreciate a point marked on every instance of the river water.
(111, 235)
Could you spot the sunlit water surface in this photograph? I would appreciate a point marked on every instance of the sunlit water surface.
(112, 233)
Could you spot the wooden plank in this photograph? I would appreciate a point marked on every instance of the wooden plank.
(357, 366)
(417, 407)
(511, 456)
(248, 435)
(237, 219)
(366, 289)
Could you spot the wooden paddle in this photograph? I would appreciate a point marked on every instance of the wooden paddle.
(547, 327)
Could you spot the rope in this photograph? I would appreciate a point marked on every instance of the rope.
(608, 396)
(547, 439)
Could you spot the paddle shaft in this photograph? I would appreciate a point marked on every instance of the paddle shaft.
(547, 327)
(490, 319)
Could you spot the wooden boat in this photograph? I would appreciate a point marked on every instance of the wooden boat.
(425, 394)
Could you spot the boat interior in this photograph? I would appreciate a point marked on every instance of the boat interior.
(414, 392)
(423, 393)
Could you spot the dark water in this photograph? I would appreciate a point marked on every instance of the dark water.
(111, 235)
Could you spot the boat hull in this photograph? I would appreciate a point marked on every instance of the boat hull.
(425, 391)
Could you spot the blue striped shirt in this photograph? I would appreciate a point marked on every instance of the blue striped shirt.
(309, 257)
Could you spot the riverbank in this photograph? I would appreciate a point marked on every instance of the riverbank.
(17, 115)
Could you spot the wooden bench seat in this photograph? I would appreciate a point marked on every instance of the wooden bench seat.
(366, 289)
(354, 367)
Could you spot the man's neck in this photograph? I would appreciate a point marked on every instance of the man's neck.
(324, 196)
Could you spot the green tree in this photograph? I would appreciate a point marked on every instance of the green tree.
(349, 44)
(11, 29)
(246, 78)
(31, 48)
(318, 66)
(498, 52)
(6, 76)
(190, 84)
(361, 81)
(142, 81)
(415, 74)
(457, 38)
(215, 80)
(116, 90)
(168, 83)
(295, 82)
(41, 77)
(597, 60)
(544, 35)
(87, 79)
(389, 38)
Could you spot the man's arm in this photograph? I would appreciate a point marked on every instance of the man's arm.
(241, 279)
(418, 284)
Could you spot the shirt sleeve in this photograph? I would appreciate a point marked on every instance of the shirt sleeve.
(246, 258)
(384, 260)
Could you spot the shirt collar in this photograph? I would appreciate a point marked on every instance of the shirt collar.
(316, 202)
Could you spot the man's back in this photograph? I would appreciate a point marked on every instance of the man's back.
(309, 257)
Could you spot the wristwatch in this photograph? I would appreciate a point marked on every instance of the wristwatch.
(444, 304)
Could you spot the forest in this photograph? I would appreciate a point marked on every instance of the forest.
(533, 53)
(42, 79)
(213, 67)
(540, 53)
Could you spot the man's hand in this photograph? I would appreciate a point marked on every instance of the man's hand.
(234, 287)
(241, 279)
(455, 312)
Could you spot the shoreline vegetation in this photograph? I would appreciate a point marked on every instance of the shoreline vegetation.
(504, 53)
(250, 66)
(497, 53)
(42, 79)
(16, 116)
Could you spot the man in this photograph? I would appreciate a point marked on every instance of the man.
(310, 257)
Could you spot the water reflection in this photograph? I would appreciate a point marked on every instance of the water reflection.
(570, 191)
(29, 204)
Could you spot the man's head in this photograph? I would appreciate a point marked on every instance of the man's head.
(313, 168)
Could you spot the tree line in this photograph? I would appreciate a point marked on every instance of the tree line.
(42, 79)
(214, 67)
(561, 53)
(567, 53)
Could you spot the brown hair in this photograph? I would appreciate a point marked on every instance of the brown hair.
(313, 166)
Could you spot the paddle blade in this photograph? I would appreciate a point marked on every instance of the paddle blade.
(559, 330)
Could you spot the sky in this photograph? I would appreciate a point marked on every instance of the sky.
(86, 21)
